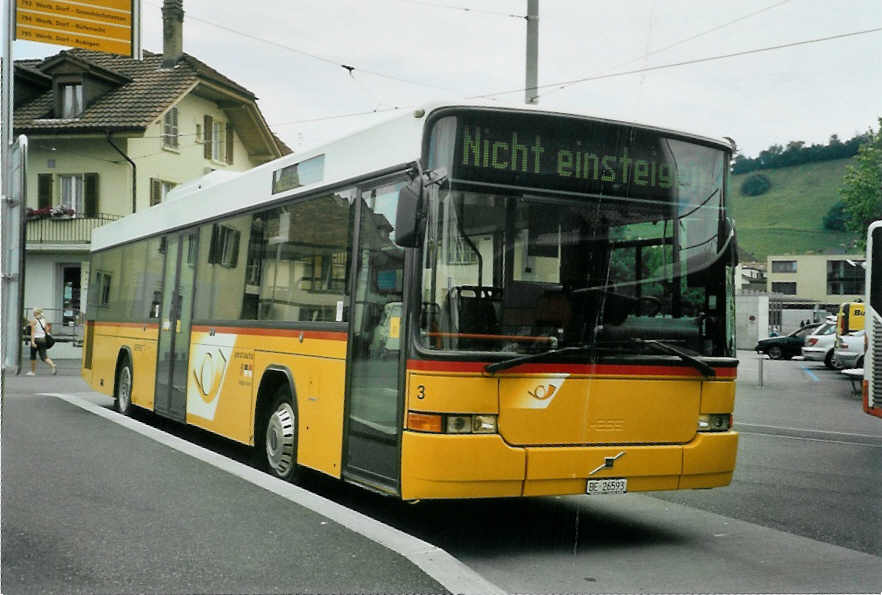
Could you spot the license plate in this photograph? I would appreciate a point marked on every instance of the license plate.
(606, 486)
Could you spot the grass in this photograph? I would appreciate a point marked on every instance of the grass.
(788, 219)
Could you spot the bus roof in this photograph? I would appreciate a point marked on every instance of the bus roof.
(395, 142)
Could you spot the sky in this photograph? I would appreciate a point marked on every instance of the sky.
(315, 63)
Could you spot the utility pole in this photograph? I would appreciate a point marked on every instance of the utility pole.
(531, 93)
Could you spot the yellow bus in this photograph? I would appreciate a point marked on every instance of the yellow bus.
(850, 318)
(873, 360)
(466, 301)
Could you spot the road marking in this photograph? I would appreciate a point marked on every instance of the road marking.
(868, 440)
(434, 561)
(810, 373)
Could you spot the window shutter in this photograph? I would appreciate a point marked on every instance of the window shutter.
(229, 143)
(44, 191)
(206, 148)
(90, 192)
(155, 192)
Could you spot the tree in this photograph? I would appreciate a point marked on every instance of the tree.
(861, 188)
(756, 185)
(836, 219)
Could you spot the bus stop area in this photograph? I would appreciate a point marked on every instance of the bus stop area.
(92, 506)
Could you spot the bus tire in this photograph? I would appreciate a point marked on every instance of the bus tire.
(828, 360)
(278, 446)
(122, 388)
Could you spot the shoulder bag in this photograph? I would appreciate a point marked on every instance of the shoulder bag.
(48, 339)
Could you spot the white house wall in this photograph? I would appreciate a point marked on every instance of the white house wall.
(187, 162)
(61, 156)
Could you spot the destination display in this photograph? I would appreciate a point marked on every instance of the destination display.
(578, 155)
(101, 25)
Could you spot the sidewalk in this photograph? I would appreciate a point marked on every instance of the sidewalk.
(98, 502)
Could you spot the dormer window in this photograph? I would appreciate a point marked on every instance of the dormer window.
(71, 99)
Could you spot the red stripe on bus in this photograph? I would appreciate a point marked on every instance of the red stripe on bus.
(272, 332)
(599, 369)
(126, 324)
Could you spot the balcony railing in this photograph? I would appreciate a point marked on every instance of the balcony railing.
(66, 229)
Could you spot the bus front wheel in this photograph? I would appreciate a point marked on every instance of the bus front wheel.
(122, 390)
(280, 437)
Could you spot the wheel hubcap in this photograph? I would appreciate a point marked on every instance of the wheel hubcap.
(125, 387)
(280, 434)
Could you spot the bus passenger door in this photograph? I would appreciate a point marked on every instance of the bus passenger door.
(373, 418)
(174, 325)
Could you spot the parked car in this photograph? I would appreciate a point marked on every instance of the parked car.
(820, 344)
(850, 350)
(787, 346)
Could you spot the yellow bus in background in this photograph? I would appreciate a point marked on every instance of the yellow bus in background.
(466, 301)
(850, 318)
(872, 386)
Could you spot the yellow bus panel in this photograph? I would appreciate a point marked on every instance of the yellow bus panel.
(566, 410)
(444, 393)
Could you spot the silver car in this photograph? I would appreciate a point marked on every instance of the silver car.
(819, 346)
(850, 350)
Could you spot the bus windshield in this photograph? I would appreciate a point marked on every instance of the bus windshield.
(527, 270)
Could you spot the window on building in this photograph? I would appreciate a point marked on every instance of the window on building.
(218, 136)
(787, 288)
(71, 100)
(845, 277)
(72, 192)
(783, 266)
(170, 129)
(159, 189)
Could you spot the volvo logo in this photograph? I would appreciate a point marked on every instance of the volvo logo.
(608, 463)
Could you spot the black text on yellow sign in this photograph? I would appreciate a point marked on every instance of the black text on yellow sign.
(101, 25)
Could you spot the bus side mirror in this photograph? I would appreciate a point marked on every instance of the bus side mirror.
(409, 214)
(733, 241)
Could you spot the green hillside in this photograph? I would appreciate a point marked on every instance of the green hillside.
(788, 219)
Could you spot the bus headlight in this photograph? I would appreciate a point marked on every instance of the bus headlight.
(714, 422)
(452, 423)
(484, 424)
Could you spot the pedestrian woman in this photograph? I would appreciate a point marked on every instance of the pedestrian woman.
(39, 328)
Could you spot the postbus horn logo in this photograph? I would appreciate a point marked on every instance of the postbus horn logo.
(542, 392)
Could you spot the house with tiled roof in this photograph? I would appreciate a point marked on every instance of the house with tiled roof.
(109, 136)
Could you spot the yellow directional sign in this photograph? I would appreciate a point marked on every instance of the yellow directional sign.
(101, 25)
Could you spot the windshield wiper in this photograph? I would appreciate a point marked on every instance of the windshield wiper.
(704, 368)
(522, 359)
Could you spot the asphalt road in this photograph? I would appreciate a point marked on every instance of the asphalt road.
(801, 515)
(809, 459)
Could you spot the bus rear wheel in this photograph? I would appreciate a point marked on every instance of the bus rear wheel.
(279, 444)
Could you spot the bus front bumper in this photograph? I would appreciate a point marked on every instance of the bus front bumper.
(445, 466)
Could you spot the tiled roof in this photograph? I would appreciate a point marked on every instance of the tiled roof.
(131, 106)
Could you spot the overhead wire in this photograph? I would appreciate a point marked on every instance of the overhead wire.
(686, 39)
(684, 62)
(465, 9)
(347, 67)
(610, 75)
